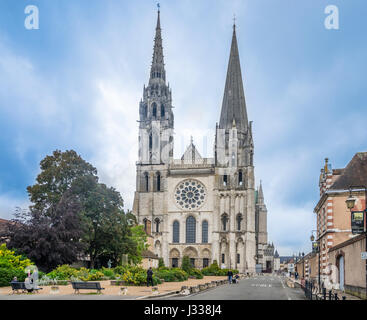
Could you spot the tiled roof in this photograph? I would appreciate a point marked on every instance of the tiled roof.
(149, 254)
(354, 174)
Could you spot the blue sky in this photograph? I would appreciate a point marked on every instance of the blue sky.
(76, 83)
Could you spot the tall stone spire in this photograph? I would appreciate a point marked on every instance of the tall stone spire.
(158, 72)
(260, 196)
(234, 104)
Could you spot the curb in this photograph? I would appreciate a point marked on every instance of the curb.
(193, 290)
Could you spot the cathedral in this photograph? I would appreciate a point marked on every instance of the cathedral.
(203, 208)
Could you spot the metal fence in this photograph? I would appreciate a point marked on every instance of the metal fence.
(312, 293)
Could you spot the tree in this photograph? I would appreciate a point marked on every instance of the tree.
(106, 230)
(161, 263)
(139, 237)
(186, 265)
(47, 240)
(58, 174)
(72, 214)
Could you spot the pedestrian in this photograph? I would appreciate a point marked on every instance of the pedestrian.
(150, 277)
(230, 276)
(237, 278)
(15, 279)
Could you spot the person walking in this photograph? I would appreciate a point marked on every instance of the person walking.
(230, 276)
(150, 277)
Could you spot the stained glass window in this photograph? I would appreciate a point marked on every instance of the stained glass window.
(190, 230)
(176, 232)
(205, 232)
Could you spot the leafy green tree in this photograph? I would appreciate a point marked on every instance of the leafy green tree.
(186, 265)
(139, 237)
(106, 229)
(58, 174)
(161, 263)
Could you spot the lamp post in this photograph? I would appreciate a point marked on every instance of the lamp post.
(318, 251)
(350, 202)
(303, 265)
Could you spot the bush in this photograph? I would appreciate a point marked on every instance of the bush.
(11, 265)
(196, 273)
(64, 272)
(214, 270)
(108, 273)
(171, 275)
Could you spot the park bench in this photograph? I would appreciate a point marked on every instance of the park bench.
(86, 286)
(16, 286)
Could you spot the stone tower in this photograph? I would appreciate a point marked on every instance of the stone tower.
(234, 169)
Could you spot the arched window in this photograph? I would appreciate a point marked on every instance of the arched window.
(190, 230)
(224, 222)
(162, 111)
(157, 223)
(240, 178)
(176, 232)
(147, 226)
(158, 181)
(239, 219)
(154, 110)
(204, 235)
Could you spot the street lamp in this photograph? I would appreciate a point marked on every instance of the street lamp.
(316, 249)
(350, 202)
(303, 265)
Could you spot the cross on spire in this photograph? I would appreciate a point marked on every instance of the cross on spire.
(158, 6)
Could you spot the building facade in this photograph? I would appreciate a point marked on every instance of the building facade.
(203, 208)
(333, 216)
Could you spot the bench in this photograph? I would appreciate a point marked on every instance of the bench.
(16, 286)
(86, 286)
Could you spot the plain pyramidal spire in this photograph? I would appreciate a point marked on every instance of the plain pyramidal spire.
(234, 104)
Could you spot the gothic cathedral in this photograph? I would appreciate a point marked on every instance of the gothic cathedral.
(203, 208)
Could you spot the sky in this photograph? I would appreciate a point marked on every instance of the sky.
(76, 82)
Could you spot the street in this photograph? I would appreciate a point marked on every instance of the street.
(267, 287)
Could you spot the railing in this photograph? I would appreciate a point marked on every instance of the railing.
(312, 293)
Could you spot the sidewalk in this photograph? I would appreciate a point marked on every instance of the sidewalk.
(131, 290)
(339, 292)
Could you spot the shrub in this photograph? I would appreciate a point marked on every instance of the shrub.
(196, 273)
(11, 265)
(172, 275)
(64, 272)
(108, 273)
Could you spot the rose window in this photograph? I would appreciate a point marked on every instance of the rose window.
(190, 194)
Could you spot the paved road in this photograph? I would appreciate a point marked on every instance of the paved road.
(267, 287)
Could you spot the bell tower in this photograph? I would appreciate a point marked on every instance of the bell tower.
(156, 117)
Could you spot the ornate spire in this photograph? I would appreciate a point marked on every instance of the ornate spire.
(157, 69)
(234, 104)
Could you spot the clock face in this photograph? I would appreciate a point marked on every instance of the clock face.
(190, 194)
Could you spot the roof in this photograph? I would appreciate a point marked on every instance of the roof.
(3, 223)
(354, 174)
(234, 105)
(191, 154)
(148, 254)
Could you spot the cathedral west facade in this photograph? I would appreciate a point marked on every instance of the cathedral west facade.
(203, 208)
